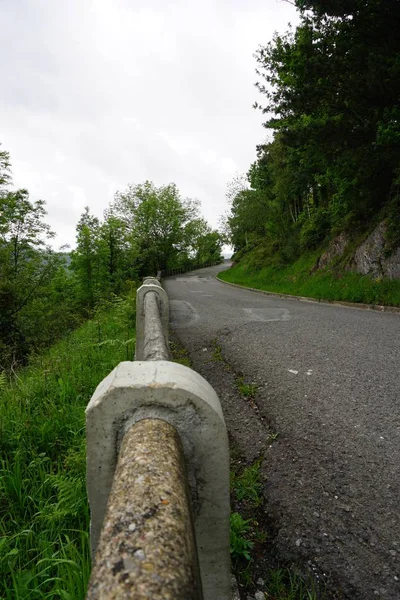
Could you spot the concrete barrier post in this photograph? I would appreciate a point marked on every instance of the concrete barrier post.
(157, 473)
(141, 553)
(174, 394)
(150, 285)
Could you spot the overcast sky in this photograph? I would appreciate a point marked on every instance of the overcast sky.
(99, 93)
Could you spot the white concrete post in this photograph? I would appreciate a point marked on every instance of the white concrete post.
(181, 397)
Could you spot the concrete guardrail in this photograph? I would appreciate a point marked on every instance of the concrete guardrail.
(157, 474)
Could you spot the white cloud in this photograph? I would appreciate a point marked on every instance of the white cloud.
(99, 93)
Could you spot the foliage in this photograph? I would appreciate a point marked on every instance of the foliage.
(298, 278)
(44, 518)
(45, 294)
(165, 230)
(329, 90)
(5, 177)
(85, 259)
(247, 485)
(286, 584)
(240, 545)
(246, 490)
(248, 390)
(27, 268)
(180, 354)
(217, 352)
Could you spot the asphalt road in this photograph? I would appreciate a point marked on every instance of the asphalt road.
(329, 383)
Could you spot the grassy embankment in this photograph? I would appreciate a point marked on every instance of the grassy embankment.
(44, 517)
(256, 271)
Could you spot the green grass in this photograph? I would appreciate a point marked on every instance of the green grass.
(248, 390)
(44, 517)
(217, 352)
(240, 529)
(286, 584)
(247, 485)
(246, 491)
(179, 354)
(299, 279)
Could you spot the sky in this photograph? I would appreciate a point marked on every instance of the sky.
(96, 94)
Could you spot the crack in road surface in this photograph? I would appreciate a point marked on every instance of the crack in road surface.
(328, 381)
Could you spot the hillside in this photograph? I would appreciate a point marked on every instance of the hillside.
(352, 267)
(319, 210)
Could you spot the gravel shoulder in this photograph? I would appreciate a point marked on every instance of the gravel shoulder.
(328, 383)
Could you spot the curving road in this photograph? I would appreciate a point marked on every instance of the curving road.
(329, 383)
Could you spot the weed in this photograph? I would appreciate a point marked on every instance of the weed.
(217, 353)
(240, 545)
(245, 575)
(248, 486)
(248, 390)
(180, 354)
(286, 584)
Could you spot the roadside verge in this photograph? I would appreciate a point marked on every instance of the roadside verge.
(376, 307)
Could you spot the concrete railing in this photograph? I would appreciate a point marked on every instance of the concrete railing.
(157, 474)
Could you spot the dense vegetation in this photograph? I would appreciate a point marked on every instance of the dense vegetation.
(45, 294)
(44, 516)
(330, 92)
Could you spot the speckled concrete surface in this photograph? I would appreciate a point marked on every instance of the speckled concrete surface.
(147, 548)
(155, 345)
(154, 286)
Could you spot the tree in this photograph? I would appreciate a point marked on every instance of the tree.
(26, 265)
(202, 243)
(86, 259)
(5, 176)
(115, 253)
(330, 91)
(155, 218)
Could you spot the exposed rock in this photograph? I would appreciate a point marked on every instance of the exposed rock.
(392, 265)
(371, 257)
(368, 258)
(336, 248)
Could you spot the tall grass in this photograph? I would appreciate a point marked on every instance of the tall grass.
(44, 517)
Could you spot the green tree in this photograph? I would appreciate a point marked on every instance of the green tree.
(115, 253)
(26, 266)
(86, 260)
(5, 175)
(330, 91)
(202, 244)
(155, 218)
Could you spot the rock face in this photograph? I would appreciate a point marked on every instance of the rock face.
(336, 248)
(370, 258)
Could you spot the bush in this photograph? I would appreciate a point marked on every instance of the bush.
(314, 228)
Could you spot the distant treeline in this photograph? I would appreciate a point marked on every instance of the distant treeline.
(45, 294)
(331, 98)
